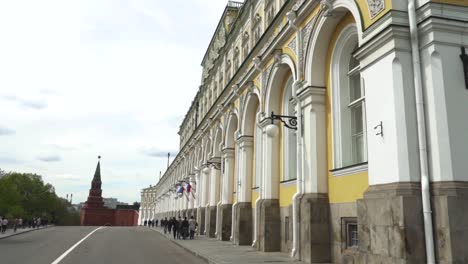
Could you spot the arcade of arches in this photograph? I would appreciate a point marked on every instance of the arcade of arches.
(340, 179)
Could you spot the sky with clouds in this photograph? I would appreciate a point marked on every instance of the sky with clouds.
(85, 78)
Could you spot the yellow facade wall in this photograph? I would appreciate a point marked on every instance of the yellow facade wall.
(346, 188)
(286, 193)
(452, 2)
(365, 14)
(255, 195)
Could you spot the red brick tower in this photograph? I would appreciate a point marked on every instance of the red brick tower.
(95, 193)
(93, 212)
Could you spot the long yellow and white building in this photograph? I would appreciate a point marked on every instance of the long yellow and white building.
(367, 165)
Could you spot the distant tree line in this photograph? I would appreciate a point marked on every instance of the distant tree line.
(25, 195)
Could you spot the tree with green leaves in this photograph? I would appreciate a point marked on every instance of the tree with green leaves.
(26, 195)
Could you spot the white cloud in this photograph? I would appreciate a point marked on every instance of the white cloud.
(5, 131)
(49, 158)
(85, 78)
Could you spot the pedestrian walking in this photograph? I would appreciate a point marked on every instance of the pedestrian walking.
(175, 227)
(179, 228)
(15, 224)
(165, 224)
(192, 227)
(4, 225)
(185, 228)
(145, 222)
(20, 223)
(157, 222)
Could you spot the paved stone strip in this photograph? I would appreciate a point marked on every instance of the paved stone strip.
(19, 231)
(222, 252)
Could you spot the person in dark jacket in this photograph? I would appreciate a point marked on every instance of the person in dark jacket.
(175, 227)
(185, 228)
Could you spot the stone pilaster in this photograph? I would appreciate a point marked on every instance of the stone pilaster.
(315, 228)
(226, 221)
(450, 208)
(390, 225)
(211, 229)
(244, 223)
(269, 226)
(201, 220)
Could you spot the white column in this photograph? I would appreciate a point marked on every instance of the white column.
(271, 163)
(206, 204)
(196, 187)
(245, 168)
(314, 166)
(214, 185)
(192, 194)
(228, 176)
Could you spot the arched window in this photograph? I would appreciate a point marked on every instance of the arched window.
(349, 115)
(289, 135)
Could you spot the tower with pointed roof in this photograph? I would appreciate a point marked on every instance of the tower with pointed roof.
(95, 193)
(94, 213)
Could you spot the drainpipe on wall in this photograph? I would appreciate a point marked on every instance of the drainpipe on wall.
(295, 252)
(422, 140)
(258, 162)
(299, 182)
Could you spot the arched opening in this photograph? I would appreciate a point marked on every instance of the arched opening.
(279, 164)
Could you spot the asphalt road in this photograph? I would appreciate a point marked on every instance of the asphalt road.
(116, 245)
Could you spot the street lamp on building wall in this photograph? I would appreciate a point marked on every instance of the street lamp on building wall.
(288, 121)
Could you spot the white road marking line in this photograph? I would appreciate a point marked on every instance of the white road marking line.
(74, 246)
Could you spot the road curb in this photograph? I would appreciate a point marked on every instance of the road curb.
(24, 232)
(193, 252)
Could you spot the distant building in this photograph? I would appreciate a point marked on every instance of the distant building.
(112, 203)
(94, 212)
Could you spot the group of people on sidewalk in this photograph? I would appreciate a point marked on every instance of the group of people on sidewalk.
(151, 223)
(181, 228)
(36, 222)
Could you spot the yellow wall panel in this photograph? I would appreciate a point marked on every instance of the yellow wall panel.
(452, 2)
(286, 194)
(345, 189)
(255, 195)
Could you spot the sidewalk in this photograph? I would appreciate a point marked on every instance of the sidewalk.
(221, 252)
(9, 232)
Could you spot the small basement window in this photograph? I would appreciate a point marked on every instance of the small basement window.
(351, 232)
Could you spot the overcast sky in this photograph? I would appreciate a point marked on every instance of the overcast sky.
(85, 78)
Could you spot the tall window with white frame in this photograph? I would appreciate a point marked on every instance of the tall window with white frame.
(356, 111)
(348, 95)
(289, 135)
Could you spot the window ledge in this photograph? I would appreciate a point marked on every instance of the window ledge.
(353, 169)
(292, 181)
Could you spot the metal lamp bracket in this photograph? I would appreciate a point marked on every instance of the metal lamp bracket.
(288, 121)
(464, 58)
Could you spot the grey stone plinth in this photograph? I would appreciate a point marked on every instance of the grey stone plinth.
(315, 228)
(450, 208)
(269, 232)
(201, 220)
(244, 224)
(226, 221)
(390, 224)
(211, 232)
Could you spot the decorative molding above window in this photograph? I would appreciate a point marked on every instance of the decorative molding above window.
(349, 170)
(375, 7)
